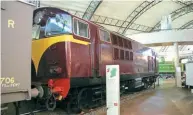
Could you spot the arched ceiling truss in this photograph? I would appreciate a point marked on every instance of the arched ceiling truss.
(184, 2)
(187, 25)
(91, 9)
(143, 7)
(119, 23)
(103, 19)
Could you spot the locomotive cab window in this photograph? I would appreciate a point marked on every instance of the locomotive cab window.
(81, 28)
(105, 36)
(60, 24)
(47, 24)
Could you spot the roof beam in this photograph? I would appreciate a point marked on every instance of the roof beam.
(94, 4)
(185, 46)
(143, 7)
(183, 2)
(107, 20)
(182, 47)
(186, 25)
(167, 47)
(176, 14)
(160, 50)
(119, 23)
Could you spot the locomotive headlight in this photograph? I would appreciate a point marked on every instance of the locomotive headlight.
(55, 70)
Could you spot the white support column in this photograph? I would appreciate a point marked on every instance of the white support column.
(177, 66)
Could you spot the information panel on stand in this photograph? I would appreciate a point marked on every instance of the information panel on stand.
(113, 89)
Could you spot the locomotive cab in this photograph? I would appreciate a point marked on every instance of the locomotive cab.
(51, 29)
(49, 25)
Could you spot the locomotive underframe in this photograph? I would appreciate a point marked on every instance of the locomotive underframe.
(77, 101)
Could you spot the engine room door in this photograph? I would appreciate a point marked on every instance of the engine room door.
(94, 51)
(106, 51)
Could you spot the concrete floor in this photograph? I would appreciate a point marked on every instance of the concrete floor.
(165, 100)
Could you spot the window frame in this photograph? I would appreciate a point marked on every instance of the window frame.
(84, 23)
(127, 58)
(122, 51)
(107, 32)
(113, 39)
(120, 40)
(118, 53)
(125, 45)
(48, 36)
(129, 44)
(131, 57)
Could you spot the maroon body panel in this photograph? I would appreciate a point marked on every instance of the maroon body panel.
(80, 60)
(106, 57)
(84, 58)
(95, 56)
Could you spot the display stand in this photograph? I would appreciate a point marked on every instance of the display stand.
(113, 89)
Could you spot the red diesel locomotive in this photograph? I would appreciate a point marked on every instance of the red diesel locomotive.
(69, 56)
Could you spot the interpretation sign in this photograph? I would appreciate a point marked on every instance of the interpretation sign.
(113, 90)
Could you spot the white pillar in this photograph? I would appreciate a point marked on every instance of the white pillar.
(177, 66)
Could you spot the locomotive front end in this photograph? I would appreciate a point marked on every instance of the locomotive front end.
(52, 32)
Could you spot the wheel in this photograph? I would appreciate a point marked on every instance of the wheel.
(51, 103)
(72, 106)
(85, 99)
(146, 85)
